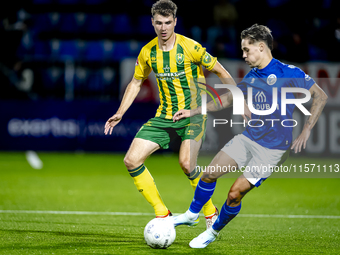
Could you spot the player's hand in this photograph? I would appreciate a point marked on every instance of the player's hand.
(111, 123)
(301, 140)
(181, 114)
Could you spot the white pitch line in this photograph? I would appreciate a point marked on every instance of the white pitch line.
(152, 214)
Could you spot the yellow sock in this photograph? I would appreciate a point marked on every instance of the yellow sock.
(147, 187)
(208, 208)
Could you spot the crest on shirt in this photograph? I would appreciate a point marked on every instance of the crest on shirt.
(271, 79)
(179, 58)
(137, 63)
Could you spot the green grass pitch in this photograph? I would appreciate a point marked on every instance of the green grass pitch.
(98, 184)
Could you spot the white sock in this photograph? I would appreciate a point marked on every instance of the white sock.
(191, 215)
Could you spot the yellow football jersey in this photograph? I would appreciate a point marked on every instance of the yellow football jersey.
(177, 72)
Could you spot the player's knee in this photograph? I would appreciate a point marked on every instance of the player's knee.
(185, 165)
(208, 177)
(234, 197)
(131, 163)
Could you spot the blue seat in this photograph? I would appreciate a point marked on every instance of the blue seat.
(45, 21)
(95, 81)
(279, 28)
(145, 26)
(95, 2)
(26, 46)
(42, 1)
(316, 53)
(80, 79)
(121, 50)
(180, 28)
(121, 24)
(69, 50)
(94, 51)
(71, 2)
(42, 50)
(72, 22)
(53, 78)
(108, 47)
(108, 77)
(95, 24)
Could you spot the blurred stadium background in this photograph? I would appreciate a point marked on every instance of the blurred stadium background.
(65, 64)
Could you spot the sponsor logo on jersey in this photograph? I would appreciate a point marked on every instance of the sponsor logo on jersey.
(260, 97)
(166, 69)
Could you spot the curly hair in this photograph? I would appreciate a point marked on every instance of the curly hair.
(257, 33)
(164, 8)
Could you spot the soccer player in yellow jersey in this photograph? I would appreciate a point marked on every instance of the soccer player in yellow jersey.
(177, 63)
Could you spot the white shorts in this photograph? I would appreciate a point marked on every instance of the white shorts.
(257, 160)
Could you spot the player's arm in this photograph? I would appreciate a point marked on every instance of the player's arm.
(319, 101)
(130, 94)
(227, 98)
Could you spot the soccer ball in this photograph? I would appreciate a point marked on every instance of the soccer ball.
(160, 233)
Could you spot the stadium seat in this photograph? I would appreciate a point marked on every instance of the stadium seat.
(69, 50)
(26, 46)
(135, 47)
(42, 1)
(71, 2)
(80, 80)
(72, 22)
(144, 25)
(121, 50)
(95, 2)
(121, 24)
(316, 53)
(108, 75)
(95, 24)
(53, 81)
(279, 28)
(43, 22)
(42, 50)
(95, 81)
(94, 51)
(179, 26)
(108, 47)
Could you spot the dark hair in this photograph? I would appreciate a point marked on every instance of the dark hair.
(257, 33)
(164, 8)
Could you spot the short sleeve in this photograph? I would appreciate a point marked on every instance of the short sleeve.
(202, 57)
(243, 85)
(302, 80)
(142, 69)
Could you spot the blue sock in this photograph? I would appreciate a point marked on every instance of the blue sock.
(226, 215)
(203, 193)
